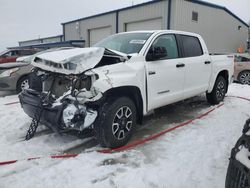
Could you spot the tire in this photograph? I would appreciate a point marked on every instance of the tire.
(116, 122)
(244, 77)
(219, 91)
(22, 83)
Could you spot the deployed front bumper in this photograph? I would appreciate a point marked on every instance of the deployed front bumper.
(61, 116)
(37, 106)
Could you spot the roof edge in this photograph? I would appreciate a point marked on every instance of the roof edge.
(113, 11)
(46, 44)
(41, 38)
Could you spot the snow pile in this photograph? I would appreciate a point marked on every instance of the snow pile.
(193, 156)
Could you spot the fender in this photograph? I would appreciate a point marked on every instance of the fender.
(122, 78)
(224, 73)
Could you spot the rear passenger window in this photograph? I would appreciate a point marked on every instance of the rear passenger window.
(191, 46)
(244, 59)
(14, 53)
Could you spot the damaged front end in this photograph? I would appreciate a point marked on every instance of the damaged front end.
(67, 113)
(61, 94)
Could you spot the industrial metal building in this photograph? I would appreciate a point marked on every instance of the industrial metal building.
(58, 38)
(222, 30)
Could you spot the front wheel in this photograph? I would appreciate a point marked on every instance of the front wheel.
(23, 83)
(244, 77)
(116, 122)
(219, 91)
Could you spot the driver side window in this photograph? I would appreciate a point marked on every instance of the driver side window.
(168, 43)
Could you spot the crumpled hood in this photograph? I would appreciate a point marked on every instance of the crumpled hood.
(71, 60)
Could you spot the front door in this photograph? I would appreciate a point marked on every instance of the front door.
(165, 76)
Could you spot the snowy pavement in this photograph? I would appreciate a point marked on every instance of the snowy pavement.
(192, 156)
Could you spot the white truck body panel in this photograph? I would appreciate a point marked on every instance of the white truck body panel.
(168, 85)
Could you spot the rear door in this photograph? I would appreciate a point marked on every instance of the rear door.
(165, 77)
(197, 64)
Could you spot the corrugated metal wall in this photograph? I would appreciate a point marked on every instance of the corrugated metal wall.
(82, 29)
(41, 40)
(145, 13)
(218, 28)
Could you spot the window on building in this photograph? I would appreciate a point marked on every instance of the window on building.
(195, 16)
(191, 46)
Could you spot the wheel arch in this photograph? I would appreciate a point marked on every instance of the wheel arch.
(225, 75)
(131, 92)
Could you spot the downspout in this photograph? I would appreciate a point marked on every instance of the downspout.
(169, 13)
(63, 37)
(117, 21)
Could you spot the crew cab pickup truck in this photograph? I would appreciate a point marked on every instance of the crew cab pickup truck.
(109, 87)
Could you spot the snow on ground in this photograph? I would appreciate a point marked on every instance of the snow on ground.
(193, 156)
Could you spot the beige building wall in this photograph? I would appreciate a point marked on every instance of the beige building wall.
(221, 31)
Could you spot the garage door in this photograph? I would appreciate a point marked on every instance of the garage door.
(95, 35)
(153, 24)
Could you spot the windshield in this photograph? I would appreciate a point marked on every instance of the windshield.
(126, 42)
(2, 53)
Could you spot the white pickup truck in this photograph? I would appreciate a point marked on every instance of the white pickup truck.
(108, 88)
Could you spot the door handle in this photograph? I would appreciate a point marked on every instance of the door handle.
(207, 62)
(180, 65)
(151, 72)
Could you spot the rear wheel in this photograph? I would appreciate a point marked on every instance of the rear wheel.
(23, 83)
(244, 77)
(116, 122)
(219, 91)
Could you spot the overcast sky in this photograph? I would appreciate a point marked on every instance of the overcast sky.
(30, 19)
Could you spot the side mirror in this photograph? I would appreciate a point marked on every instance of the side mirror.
(156, 53)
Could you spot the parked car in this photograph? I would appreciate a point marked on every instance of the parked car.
(111, 86)
(242, 68)
(10, 56)
(14, 76)
(238, 172)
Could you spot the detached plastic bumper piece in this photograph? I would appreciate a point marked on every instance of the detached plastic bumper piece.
(238, 175)
(34, 103)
